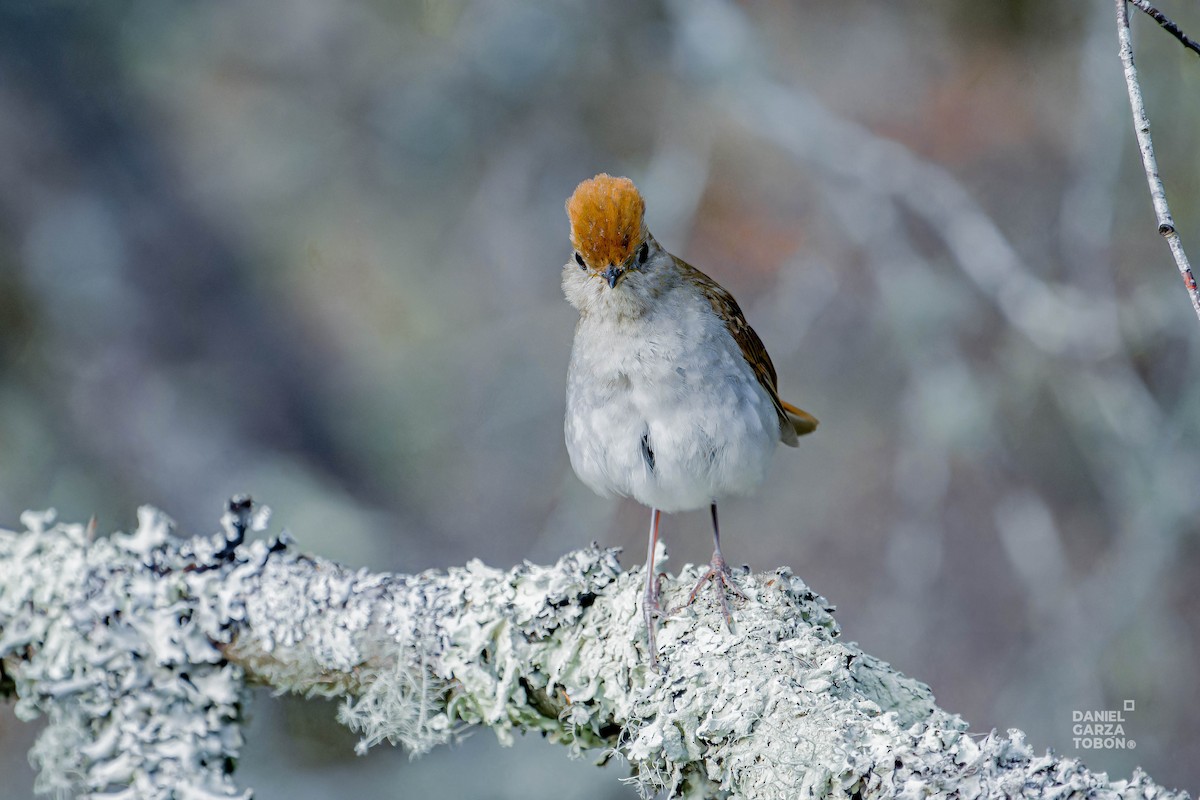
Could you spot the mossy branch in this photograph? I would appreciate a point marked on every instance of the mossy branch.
(138, 649)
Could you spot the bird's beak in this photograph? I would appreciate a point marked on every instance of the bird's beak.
(612, 275)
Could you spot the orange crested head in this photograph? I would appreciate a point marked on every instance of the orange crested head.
(606, 220)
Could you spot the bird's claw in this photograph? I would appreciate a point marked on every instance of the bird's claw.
(718, 572)
(652, 610)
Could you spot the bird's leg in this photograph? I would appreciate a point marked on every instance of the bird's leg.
(718, 571)
(650, 606)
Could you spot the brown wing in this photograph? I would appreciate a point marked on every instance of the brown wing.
(793, 421)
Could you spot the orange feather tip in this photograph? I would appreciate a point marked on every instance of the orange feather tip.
(606, 219)
(803, 421)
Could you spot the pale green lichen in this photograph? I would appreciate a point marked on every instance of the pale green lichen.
(779, 708)
(138, 649)
(101, 638)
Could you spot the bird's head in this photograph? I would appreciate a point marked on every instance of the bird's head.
(615, 256)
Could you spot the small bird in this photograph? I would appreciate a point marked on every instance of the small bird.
(671, 396)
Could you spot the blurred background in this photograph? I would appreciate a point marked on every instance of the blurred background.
(312, 253)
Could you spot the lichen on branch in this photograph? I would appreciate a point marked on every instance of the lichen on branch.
(138, 649)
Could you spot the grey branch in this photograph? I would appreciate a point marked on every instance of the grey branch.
(1141, 126)
(1167, 25)
(138, 650)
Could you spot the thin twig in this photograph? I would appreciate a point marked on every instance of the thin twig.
(1141, 126)
(1171, 28)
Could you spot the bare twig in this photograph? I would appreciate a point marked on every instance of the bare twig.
(1141, 126)
(1171, 28)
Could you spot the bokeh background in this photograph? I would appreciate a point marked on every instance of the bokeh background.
(311, 252)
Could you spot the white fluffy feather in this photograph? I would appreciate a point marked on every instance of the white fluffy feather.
(652, 359)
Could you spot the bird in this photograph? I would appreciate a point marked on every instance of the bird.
(672, 399)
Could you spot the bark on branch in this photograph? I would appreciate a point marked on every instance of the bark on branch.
(138, 649)
(1165, 22)
(1141, 127)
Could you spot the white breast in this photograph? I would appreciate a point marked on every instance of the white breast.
(664, 408)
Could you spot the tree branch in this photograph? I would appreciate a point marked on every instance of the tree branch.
(1141, 126)
(138, 649)
(1167, 24)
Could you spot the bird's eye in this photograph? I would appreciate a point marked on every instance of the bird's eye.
(579, 261)
(643, 252)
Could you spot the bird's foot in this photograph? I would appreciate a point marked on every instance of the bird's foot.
(652, 611)
(718, 573)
